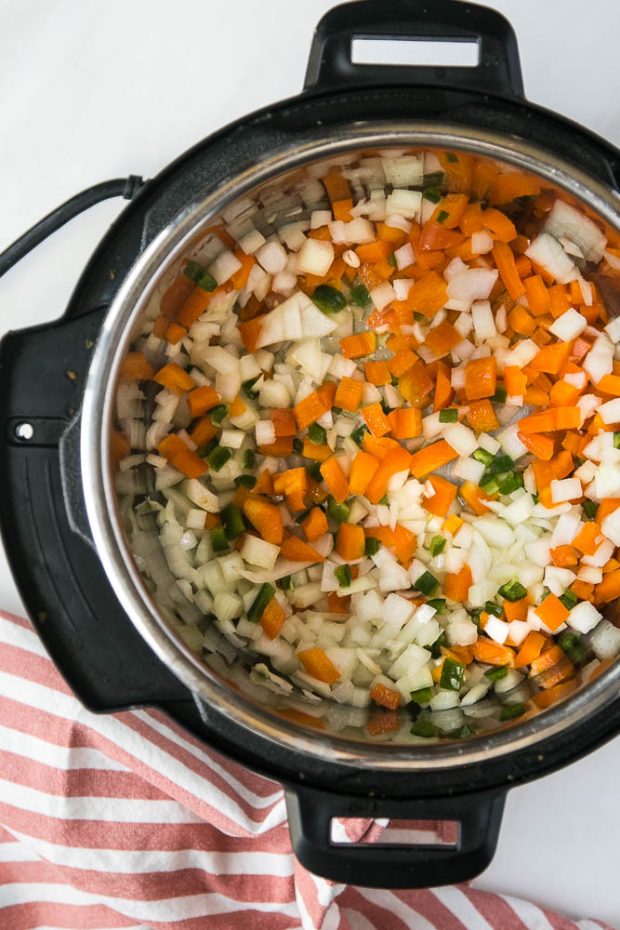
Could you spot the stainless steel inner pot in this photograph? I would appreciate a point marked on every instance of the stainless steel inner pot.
(219, 687)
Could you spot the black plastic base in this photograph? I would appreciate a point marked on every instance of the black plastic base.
(42, 376)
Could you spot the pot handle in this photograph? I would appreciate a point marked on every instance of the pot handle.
(382, 865)
(331, 64)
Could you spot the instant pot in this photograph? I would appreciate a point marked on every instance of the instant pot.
(59, 512)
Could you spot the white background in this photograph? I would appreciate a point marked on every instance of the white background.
(97, 89)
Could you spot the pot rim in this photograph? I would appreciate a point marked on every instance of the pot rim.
(97, 478)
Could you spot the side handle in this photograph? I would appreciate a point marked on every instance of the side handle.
(378, 865)
(331, 65)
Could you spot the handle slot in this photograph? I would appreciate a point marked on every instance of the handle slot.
(451, 53)
(400, 833)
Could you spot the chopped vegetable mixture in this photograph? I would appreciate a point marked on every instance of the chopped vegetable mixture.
(380, 440)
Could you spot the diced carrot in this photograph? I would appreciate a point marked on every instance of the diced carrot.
(564, 556)
(203, 432)
(537, 295)
(266, 518)
(280, 448)
(583, 590)
(318, 452)
(405, 422)
(385, 697)
(443, 388)
(498, 224)
(415, 385)
(342, 209)
(456, 586)
(609, 588)
(363, 467)
(350, 542)
(552, 612)
(311, 408)
(250, 332)
(431, 457)
(428, 294)
(530, 648)
(175, 296)
(563, 464)
(551, 667)
(539, 445)
(458, 170)
(559, 301)
(358, 345)
(441, 501)
(237, 408)
(505, 262)
(240, 277)
(552, 358)
(563, 394)
(170, 446)
(606, 506)
(507, 187)
(492, 653)
(481, 416)
(405, 544)
(189, 464)
(443, 338)
(272, 618)
(390, 234)
(484, 173)
(515, 381)
(119, 446)
(474, 497)
(336, 185)
(174, 333)
(335, 479)
(450, 209)
(521, 321)
(555, 694)
(337, 604)
(202, 399)
(349, 394)
(194, 306)
(373, 252)
(397, 460)
(379, 447)
(377, 373)
(480, 378)
(136, 367)
(471, 220)
(318, 664)
(284, 423)
(175, 378)
(609, 384)
(315, 524)
(376, 420)
(452, 524)
(588, 539)
(402, 362)
(516, 610)
(293, 484)
(297, 550)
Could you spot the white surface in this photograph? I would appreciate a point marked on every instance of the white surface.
(105, 88)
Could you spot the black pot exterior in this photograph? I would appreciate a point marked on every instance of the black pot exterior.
(42, 376)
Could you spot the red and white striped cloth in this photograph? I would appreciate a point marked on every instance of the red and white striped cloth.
(125, 820)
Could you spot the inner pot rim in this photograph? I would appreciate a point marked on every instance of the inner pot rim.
(100, 496)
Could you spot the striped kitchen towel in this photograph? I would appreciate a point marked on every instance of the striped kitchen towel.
(126, 820)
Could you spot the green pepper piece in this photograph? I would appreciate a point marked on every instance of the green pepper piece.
(317, 435)
(513, 591)
(481, 455)
(218, 457)
(451, 675)
(438, 544)
(245, 481)
(510, 711)
(249, 459)
(338, 512)
(232, 520)
(496, 674)
(426, 583)
(425, 728)
(496, 609)
(439, 603)
(257, 607)
(422, 695)
(217, 414)
(328, 299)
(360, 296)
(371, 546)
(343, 575)
(218, 539)
(448, 415)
